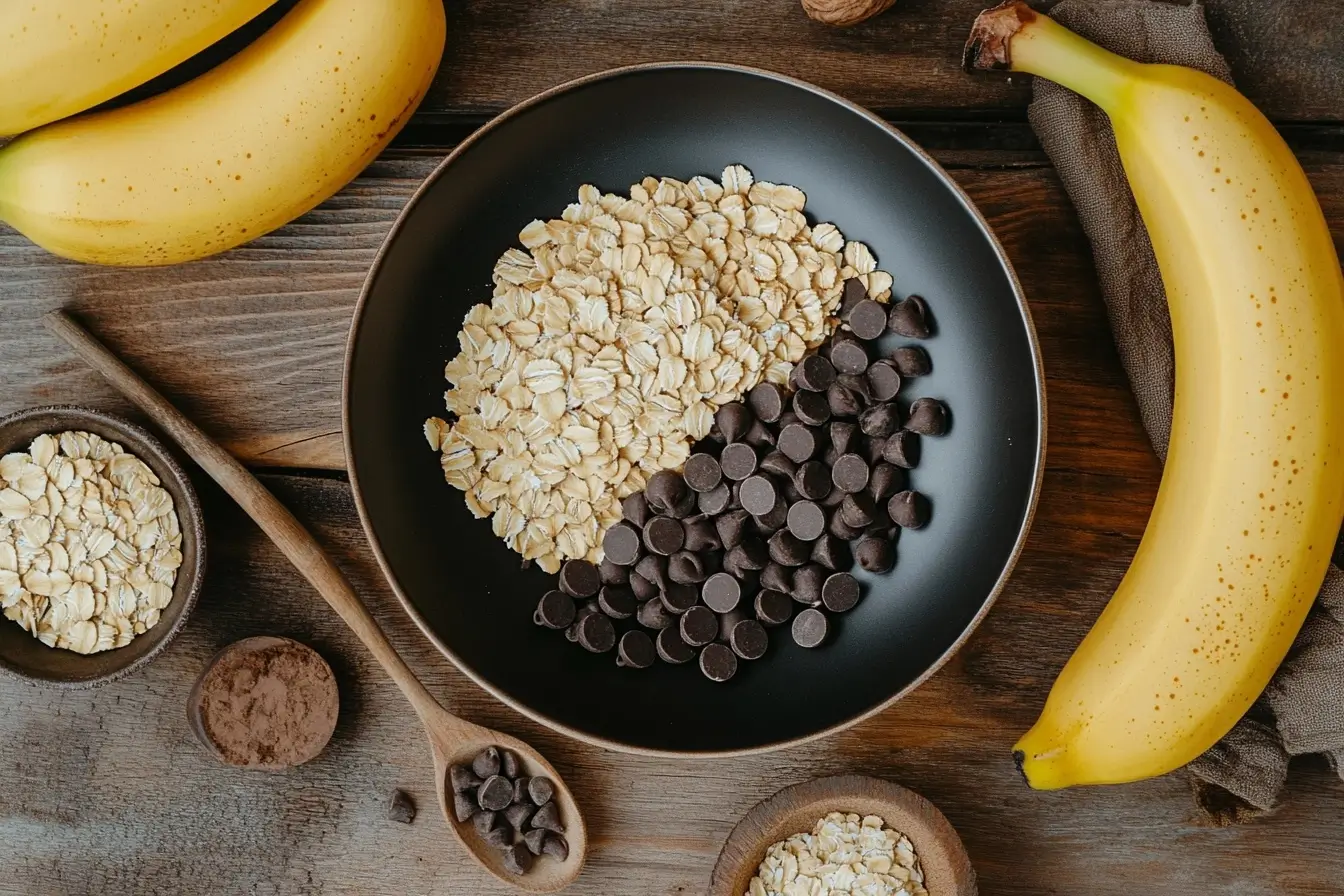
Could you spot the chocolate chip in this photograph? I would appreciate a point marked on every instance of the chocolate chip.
(779, 464)
(831, 456)
(686, 506)
(909, 317)
(699, 626)
(753, 554)
(843, 402)
(500, 837)
(636, 650)
(902, 449)
(718, 662)
(487, 763)
(850, 473)
(701, 535)
(807, 584)
(912, 361)
(517, 859)
(815, 373)
(461, 778)
(596, 633)
(484, 822)
(540, 790)
(759, 436)
(873, 448)
(857, 383)
(767, 401)
(840, 592)
(867, 319)
(833, 497)
(731, 527)
(635, 509)
(464, 807)
(852, 294)
(773, 607)
(721, 592)
(496, 792)
(738, 461)
(809, 628)
(785, 419)
(787, 550)
(520, 789)
(702, 472)
(715, 501)
(652, 614)
(885, 481)
(845, 437)
(534, 839)
(582, 610)
(812, 408)
(617, 602)
(734, 419)
(806, 521)
(621, 544)
(749, 640)
(909, 510)
(849, 357)
(678, 598)
(928, 417)
(579, 578)
(880, 420)
(664, 490)
(798, 442)
(727, 621)
(813, 480)
(613, 573)
(832, 552)
(858, 510)
(759, 495)
(509, 765)
(875, 554)
(548, 819)
(777, 577)
(555, 610)
(884, 380)
(519, 814)
(401, 808)
(686, 568)
(642, 587)
(663, 536)
(556, 847)
(671, 649)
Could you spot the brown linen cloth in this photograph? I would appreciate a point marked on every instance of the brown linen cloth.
(1302, 711)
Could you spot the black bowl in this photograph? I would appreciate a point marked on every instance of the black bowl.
(465, 588)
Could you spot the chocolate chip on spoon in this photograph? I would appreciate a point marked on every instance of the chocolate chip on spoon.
(548, 819)
(519, 814)
(809, 628)
(928, 417)
(867, 319)
(484, 822)
(487, 763)
(494, 794)
(461, 779)
(464, 807)
(555, 610)
(636, 650)
(500, 837)
(908, 509)
(718, 662)
(540, 790)
(671, 649)
(556, 847)
(520, 789)
(534, 839)
(517, 859)
(912, 361)
(767, 401)
(773, 607)
(579, 578)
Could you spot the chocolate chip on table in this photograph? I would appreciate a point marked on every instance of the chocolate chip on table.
(500, 837)
(613, 573)
(548, 819)
(809, 628)
(779, 464)
(734, 419)
(815, 373)
(880, 420)
(509, 765)
(798, 442)
(653, 615)
(875, 554)
(807, 584)
(773, 607)
(885, 481)
(749, 640)
(843, 402)
(715, 501)
(767, 401)
(635, 509)
(902, 449)
(636, 650)
(664, 490)
(699, 626)
(721, 592)
(519, 814)
(732, 527)
(579, 578)
(401, 808)
(867, 319)
(928, 417)
(556, 846)
(806, 521)
(718, 662)
(787, 550)
(534, 839)
(686, 568)
(664, 536)
(858, 510)
(540, 790)
(812, 408)
(759, 495)
(850, 473)
(840, 529)
(484, 822)
(461, 778)
(642, 587)
(909, 317)
(884, 380)
(912, 361)
(555, 610)
(487, 763)
(813, 480)
(517, 859)
(617, 601)
(852, 294)
(738, 461)
(671, 649)
(849, 356)
(702, 472)
(840, 592)
(494, 794)
(908, 509)
(777, 577)
(596, 633)
(832, 552)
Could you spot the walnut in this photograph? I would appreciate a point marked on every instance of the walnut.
(845, 12)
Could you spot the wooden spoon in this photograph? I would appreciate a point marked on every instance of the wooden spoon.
(453, 740)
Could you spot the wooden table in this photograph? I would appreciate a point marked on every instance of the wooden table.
(105, 792)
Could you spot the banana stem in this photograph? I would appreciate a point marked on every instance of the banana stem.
(1014, 37)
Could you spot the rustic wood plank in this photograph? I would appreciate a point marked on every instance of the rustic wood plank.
(105, 792)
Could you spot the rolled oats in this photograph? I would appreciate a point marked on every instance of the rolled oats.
(90, 544)
(609, 343)
(843, 854)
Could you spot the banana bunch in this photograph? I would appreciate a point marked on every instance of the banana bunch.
(220, 160)
(1253, 490)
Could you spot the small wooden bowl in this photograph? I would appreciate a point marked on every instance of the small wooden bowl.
(26, 657)
(794, 810)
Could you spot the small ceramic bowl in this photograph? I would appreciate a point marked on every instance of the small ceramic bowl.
(26, 657)
(794, 810)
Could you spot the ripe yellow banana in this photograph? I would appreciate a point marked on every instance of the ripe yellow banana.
(1253, 491)
(235, 153)
(59, 57)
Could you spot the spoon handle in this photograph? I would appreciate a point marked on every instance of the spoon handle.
(294, 541)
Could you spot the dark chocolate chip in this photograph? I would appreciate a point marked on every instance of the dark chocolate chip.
(815, 373)
(880, 420)
(798, 442)
(686, 568)
(809, 628)
(540, 790)
(759, 495)
(494, 794)
(875, 554)
(401, 808)
(858, 510)
(613, 573)
(718, 662)
(734, 419)
(556, 847)
(664, 536)
(832, 552)
(461, 778)
(701, 535)
(812, 408)
(780, 464)
(635, 650)
(509, 764)
(909, 317)
(686, 506)
(843, 402)
(840, 592)
(813, 480)
(902, 449)
(873, 448)
(849, 357)
(714, 502)
(850, 473)
(582, 610)
(534, 839)
(912, 361)
(867, 319)
(752, 554)
(671, 649)
(845, 437)
(767, 401)
(642, 587)
(519, 814)
(749, 639)
(885, 481)
(487, 763)
(617, 601)
(833, 497)
(773, 607)
(857, 383)
(555, 610)
(484, 822)
(548, 818)
(652, 614)
(807, 521)
(699, 626)
(760, 436)
(664, 490)
(727, 621)
(884, 380)
(721, 592)
(579, 578)
(500, 837)
(831, 456)
(621, 544)
(732, 526)
(520, 789)
(678, 598)
(517, 859)
(853, 293)
(787, 550)
(738, 461)
(928, 417)
(807, 584)
(596, 633)
(777, 577)
(464, 806)
(635, 509)
(908, 509)
(702, 472)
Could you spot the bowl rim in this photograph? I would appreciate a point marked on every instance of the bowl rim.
(193, 525)
(966, 203)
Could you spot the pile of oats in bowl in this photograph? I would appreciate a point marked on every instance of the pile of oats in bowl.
(90, 544)
(609, 344)
(844, 854)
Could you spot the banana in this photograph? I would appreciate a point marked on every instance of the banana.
(235, 153)
(1253, 490)
(60, 57)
